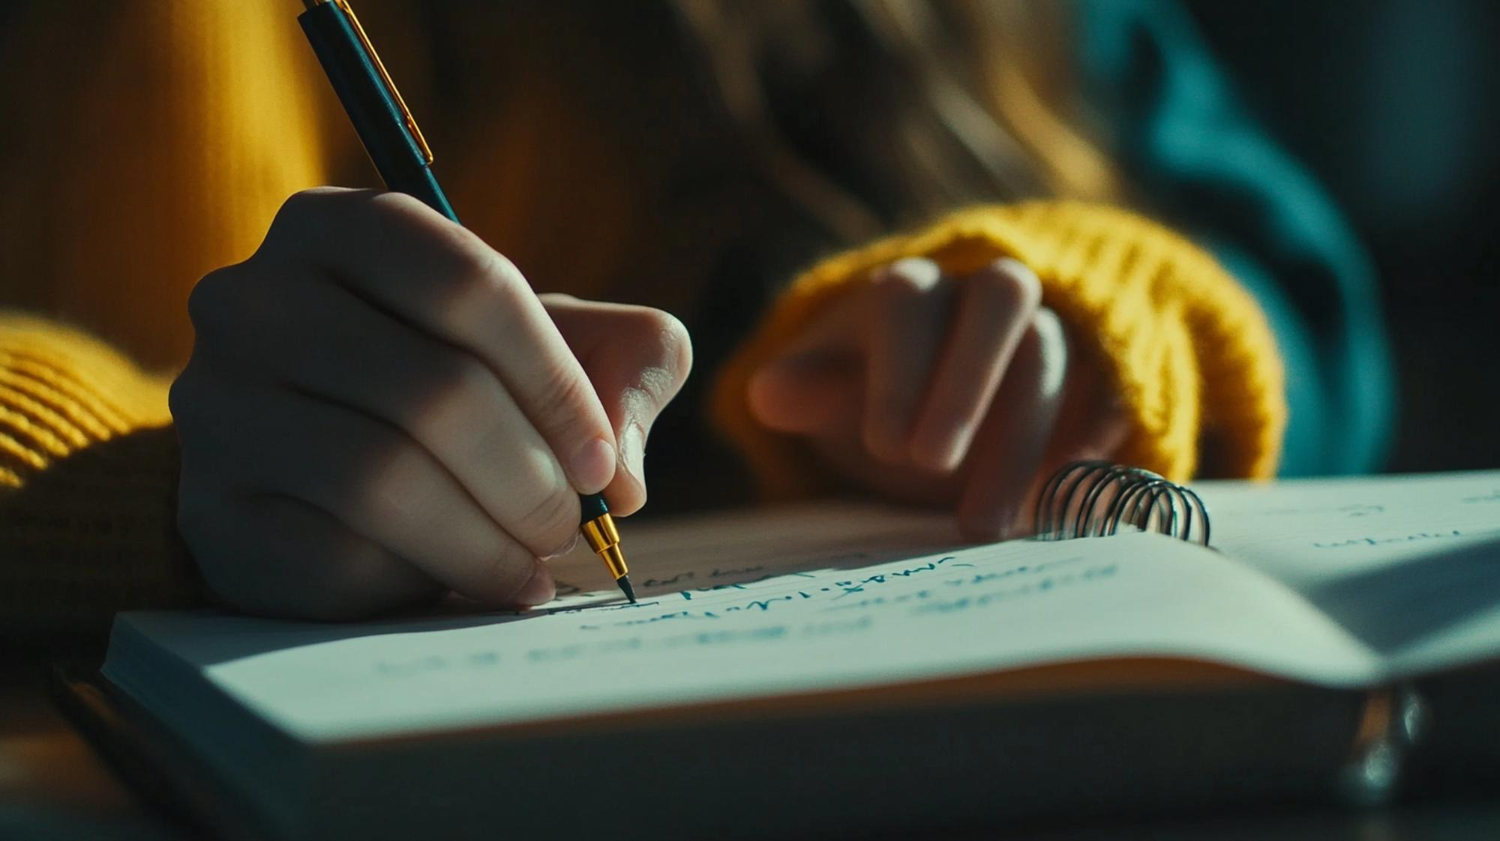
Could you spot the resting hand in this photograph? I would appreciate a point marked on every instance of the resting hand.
(926, 388)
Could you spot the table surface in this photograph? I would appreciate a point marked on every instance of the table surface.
(53, 787)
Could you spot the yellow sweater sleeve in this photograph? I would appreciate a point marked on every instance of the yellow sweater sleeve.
(88, 472)
(1188, 351)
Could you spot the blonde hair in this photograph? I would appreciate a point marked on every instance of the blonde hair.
(944, 103)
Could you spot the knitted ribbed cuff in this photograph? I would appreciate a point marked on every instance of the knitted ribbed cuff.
(62, 390)
(1186, 349)
(88, 477)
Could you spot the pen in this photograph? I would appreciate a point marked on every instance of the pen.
(401, 156)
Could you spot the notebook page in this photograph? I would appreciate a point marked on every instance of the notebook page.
(1410, 564)
(733, 620)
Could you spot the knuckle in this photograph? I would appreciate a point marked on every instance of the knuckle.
(384, 486)
(665, 351)
(183, 395)
(197, 432)
(455, 390)
(398, 208)
(512, 572)
(192, 401)
(387, 214)
(298, 206)
(302, 210)
(910, 276)
(558, 396)
(1052, 348)
(675, 343)
(1048, 326)
(476, 280)
(306, 216)
(212, 299)
(680, 367)
(1008, 284)
(552, 519)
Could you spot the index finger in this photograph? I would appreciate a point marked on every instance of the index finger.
(433, 273)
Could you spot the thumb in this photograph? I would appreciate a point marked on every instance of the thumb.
(637, 359)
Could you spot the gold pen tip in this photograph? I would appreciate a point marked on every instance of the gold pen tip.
(629, 591)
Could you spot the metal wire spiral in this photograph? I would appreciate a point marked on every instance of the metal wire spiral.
(1095, 498)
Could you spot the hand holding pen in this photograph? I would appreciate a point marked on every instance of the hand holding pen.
(435, 420)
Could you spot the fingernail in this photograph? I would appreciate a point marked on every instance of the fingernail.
(633, 451)
(593, 465)
(540, 589)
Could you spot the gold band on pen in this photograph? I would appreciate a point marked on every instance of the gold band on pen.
(604, 539)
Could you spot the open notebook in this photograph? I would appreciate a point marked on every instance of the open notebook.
(853, 668)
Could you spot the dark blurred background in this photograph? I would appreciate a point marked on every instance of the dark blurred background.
(1393, 104)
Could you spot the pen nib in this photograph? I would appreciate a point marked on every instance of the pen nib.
(629, 591)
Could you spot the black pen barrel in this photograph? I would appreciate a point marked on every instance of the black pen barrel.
(377, 118)
(419, 182)
(391, 139)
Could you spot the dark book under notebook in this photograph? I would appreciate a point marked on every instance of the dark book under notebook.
(839, 670)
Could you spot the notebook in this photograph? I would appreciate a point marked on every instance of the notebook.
(838, 668)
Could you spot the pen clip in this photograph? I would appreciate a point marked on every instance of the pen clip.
(390, 86)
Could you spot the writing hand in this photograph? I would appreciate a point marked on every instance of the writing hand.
(378, 408)
(934, 389)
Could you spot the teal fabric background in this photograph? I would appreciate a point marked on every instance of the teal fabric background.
(1200, 163)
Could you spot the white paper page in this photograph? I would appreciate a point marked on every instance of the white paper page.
(731, 631)
(1410, 564)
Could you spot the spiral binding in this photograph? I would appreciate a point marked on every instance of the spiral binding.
(1095, 498)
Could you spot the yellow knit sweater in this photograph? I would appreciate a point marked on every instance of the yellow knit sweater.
(88, 457)
(1188, 351)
